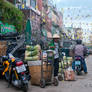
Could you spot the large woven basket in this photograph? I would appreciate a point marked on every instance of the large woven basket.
(35, 72)
(3, 48)
(3, 42)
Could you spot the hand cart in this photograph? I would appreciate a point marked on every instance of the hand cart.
(49, 61)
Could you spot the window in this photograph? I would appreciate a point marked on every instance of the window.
(33, 3)
(27, 3)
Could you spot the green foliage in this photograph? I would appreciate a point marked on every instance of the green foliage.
(11, 15)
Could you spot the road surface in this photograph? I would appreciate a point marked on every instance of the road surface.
(82, 84)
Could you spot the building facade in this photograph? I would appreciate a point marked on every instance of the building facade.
(38, 12)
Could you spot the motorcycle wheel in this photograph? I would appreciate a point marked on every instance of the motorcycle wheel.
(7, 76)
(78, 73)
(25, 88)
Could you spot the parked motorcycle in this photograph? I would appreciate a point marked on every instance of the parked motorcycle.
(15, 72)
(78, 65)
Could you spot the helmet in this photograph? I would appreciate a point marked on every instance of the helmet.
(56, 36)
(79, 41)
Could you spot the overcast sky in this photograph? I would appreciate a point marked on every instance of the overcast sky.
(74, 3)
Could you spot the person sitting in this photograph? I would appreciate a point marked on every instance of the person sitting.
(80, 50)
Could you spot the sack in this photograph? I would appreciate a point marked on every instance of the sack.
(69, 74)
(32, 58)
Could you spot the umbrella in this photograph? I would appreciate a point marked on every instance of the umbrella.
(28, 32)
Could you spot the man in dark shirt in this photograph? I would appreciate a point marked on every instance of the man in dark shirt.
(80, 50)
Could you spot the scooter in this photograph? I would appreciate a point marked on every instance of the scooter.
(14, 72)
(78, 64)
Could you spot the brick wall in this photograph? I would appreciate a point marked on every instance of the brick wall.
(39, 4)
(48, 23)
(35, 22)
(35, 19)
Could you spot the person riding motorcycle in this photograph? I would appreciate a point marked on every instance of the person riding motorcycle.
(80, 50)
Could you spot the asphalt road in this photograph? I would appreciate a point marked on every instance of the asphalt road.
(82, 84)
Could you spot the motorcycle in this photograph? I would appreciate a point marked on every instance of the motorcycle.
(78, 65)
(15, 72)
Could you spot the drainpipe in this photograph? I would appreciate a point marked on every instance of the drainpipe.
(15, 2)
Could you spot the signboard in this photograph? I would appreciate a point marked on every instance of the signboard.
(7, 28)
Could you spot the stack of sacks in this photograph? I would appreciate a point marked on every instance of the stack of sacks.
(70, 60)
(32, 53)
(67, 60)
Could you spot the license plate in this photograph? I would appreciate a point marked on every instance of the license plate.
(21, 68)
(77, 62)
